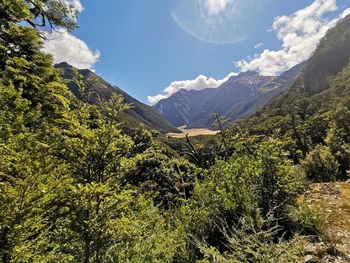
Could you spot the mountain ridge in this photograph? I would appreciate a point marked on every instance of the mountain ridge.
(98, 88)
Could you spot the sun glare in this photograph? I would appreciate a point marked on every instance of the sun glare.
(214, 21)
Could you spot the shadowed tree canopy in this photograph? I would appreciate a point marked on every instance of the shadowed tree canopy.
(18, 40)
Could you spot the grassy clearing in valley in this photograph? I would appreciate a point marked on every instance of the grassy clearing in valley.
(192, 133)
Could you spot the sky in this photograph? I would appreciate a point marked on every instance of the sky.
(153, 48)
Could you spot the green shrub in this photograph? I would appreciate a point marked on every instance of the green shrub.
(258, 185)
(307, 217)
(320, 165)
(251, 242)
(340, 149)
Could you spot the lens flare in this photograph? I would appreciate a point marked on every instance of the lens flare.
(215, 21)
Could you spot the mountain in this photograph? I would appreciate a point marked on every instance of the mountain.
(331, 55)
(316, 108)
(180, 108)
(329, 62)
(235, 99)
(97, 88)
(265, 94)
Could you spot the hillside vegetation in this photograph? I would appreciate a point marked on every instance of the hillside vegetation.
(77, 186)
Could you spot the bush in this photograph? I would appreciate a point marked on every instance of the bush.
(307, 218)
(340, 150)
(320, 165)
(257, 185)
(250, 242)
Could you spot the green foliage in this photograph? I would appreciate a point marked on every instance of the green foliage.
(315, 110)
(27, 177)
(62, 197)
(279, 182)
(340, 148)
(320, 119)
(34, 105)
(308, 218)
(53, 13)
(257, 186)
(145, 236)
(18, 42)
(14, 11)
(320, 165)
(165, 179)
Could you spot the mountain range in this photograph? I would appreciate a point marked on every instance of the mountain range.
(239, 97)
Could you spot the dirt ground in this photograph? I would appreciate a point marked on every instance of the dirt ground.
(334, 201)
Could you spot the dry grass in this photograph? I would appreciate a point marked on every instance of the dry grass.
(192, 133)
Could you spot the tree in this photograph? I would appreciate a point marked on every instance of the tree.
(34, 114)
(42, 14)
(22, 42)
(166, 180)
(28, 175)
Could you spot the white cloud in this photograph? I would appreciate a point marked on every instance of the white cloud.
(199, 83)
(215, 7)
(300, 33)
(259, 45)
(65, 47)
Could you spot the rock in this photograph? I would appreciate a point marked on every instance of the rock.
(308, 258)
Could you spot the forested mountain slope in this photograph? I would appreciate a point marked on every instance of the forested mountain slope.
(95, 89)
(323, 86)
(330, 57)
(315, 112)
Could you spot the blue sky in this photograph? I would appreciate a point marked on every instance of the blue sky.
(145, 46)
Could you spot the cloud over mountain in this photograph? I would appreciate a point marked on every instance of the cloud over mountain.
(65, 47)
(201, 82)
